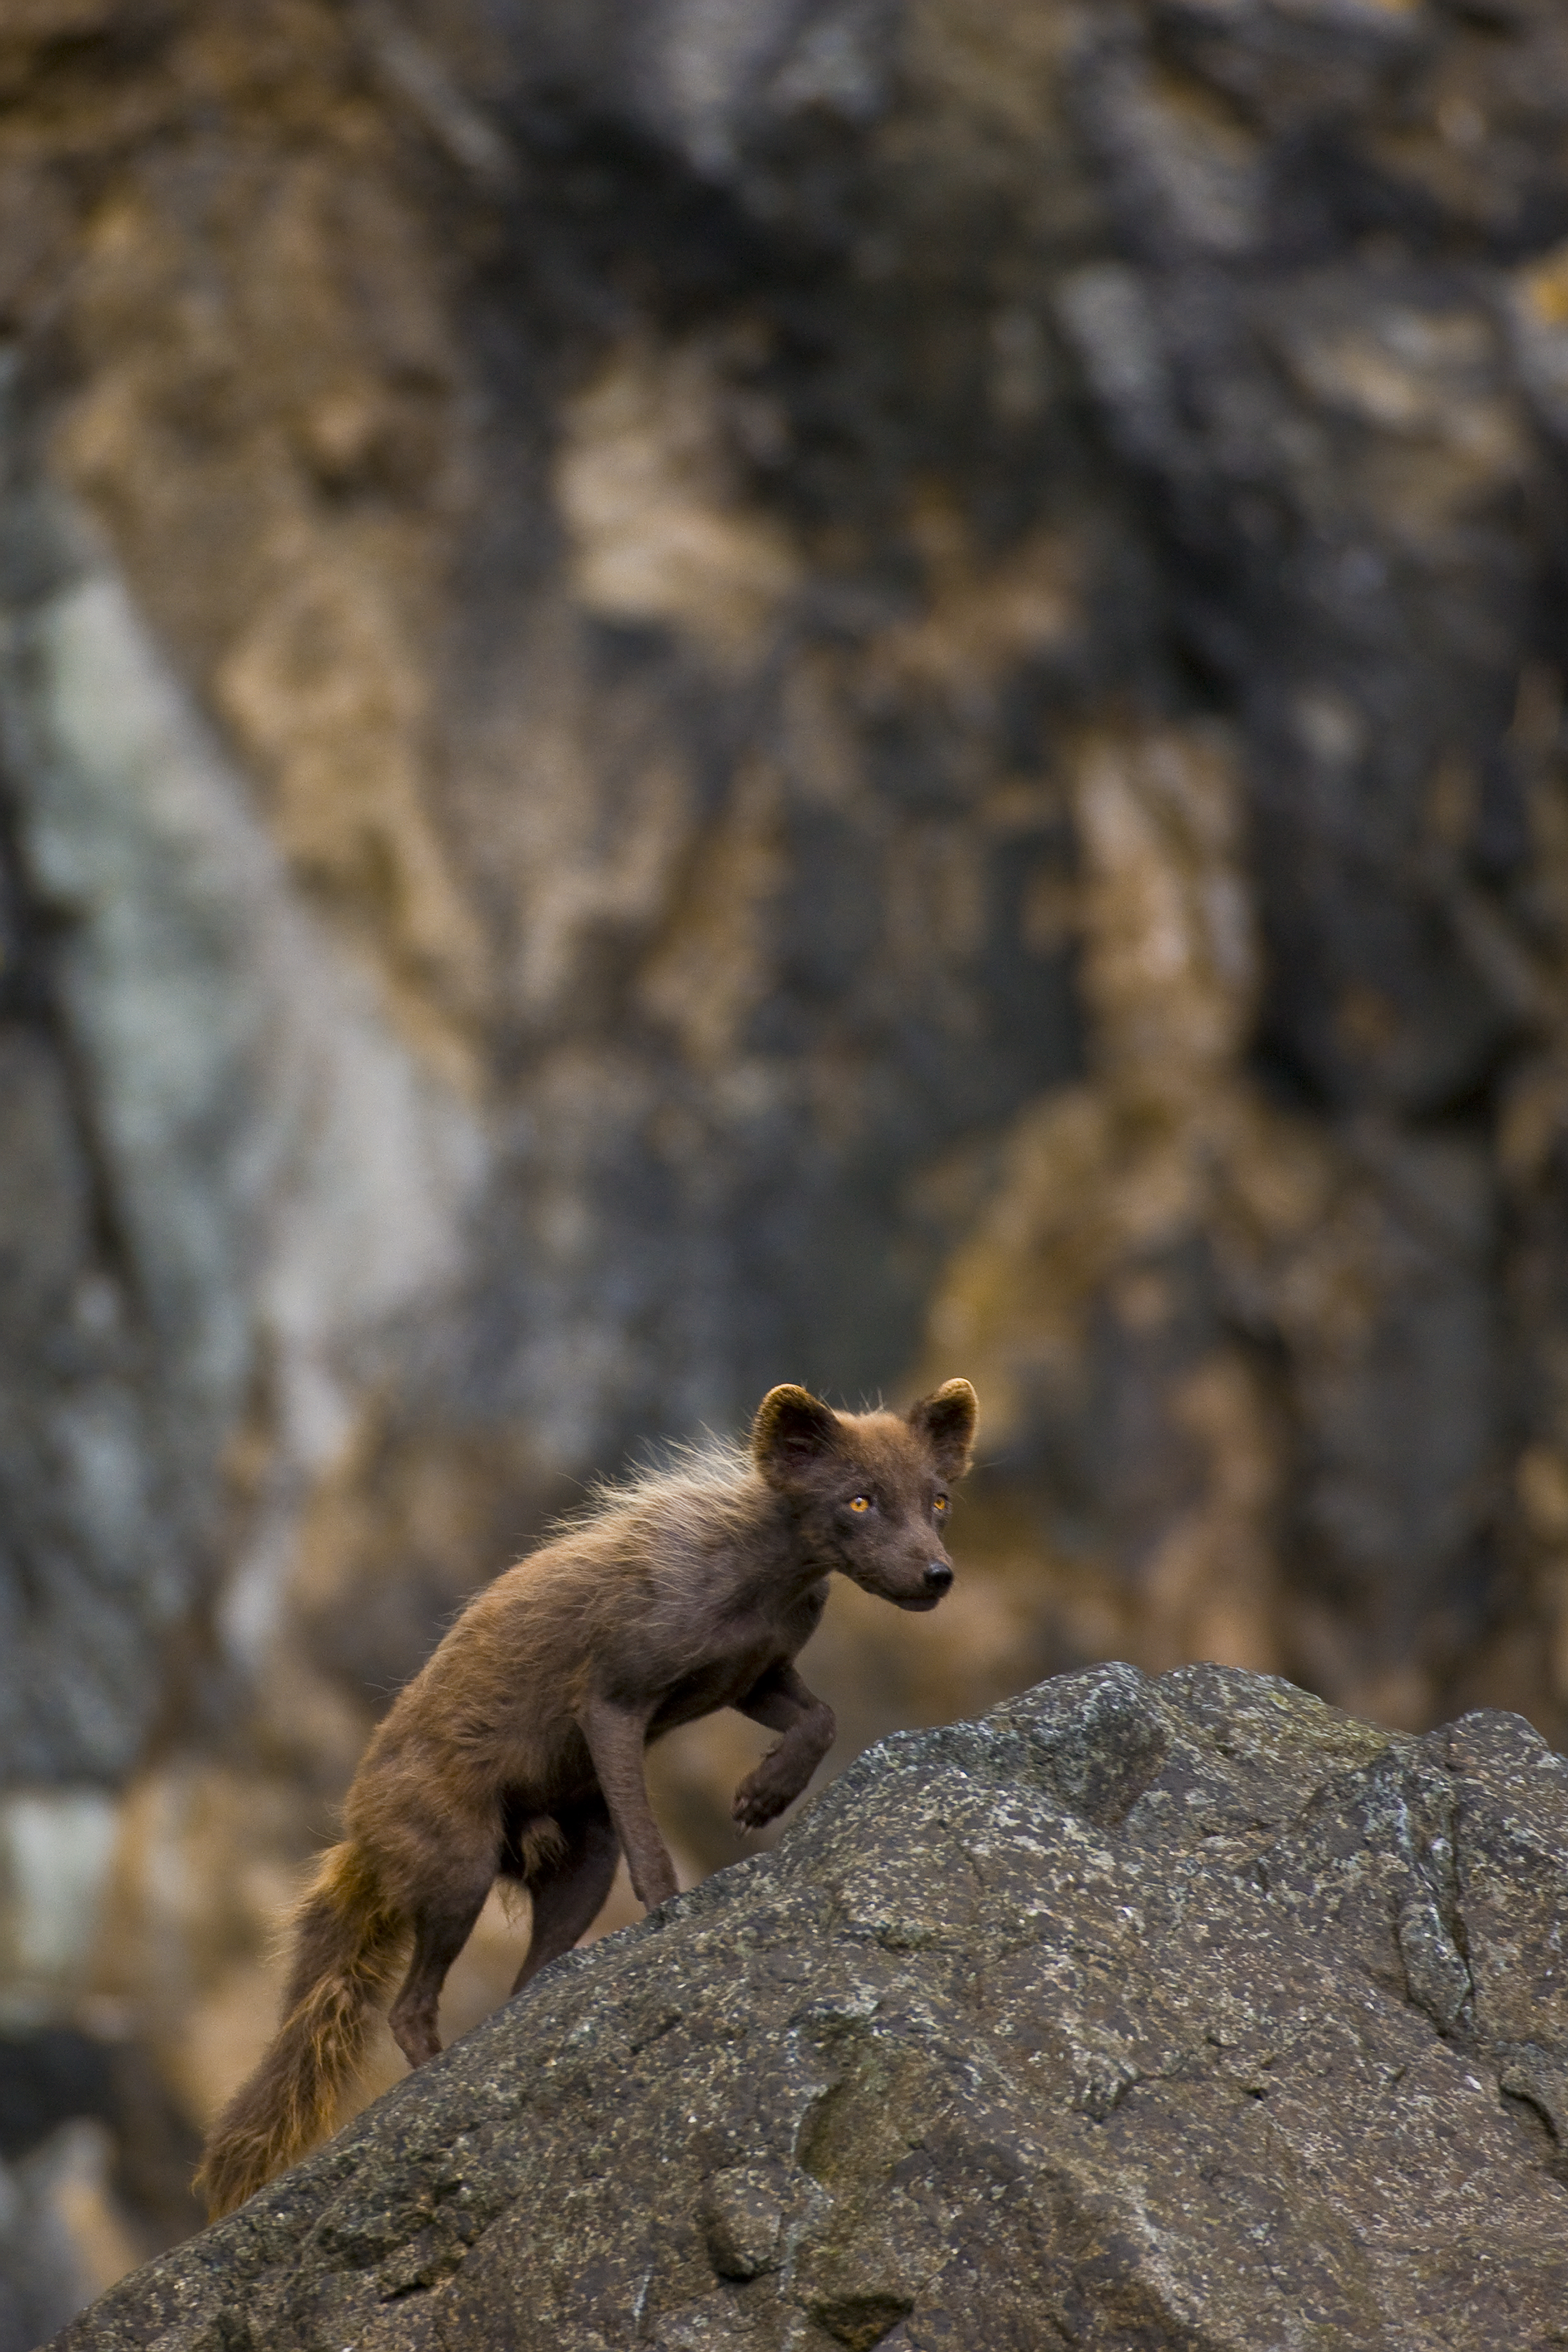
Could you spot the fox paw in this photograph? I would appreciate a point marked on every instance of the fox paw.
(759, 1799)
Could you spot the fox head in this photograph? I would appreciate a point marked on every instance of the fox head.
(871, 1490)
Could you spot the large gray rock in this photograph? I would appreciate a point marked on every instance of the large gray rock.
(1183, 2014)
(700, 691)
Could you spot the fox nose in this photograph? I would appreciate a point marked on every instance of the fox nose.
(939, 1576)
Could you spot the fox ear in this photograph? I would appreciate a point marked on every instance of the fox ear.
(946, 1420)
(793, 1431)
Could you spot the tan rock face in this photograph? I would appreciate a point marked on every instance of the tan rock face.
(700, 697)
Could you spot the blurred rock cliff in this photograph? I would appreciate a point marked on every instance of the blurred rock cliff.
(695, 692)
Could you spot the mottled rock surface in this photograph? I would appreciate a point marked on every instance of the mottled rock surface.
(695, 692)
(1186, 2013)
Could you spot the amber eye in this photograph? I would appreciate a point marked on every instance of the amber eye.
(860, 1502)
(940, 1505)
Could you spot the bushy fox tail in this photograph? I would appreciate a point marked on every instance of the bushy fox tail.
(346, 1947)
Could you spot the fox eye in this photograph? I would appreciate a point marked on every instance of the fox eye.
(860, 1502)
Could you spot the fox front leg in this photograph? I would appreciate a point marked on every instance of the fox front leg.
(617, 1737)
(781, 1702)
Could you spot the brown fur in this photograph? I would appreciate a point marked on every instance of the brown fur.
(518, 1750)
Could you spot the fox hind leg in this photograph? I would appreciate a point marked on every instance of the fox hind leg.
(568, 1894)
(442, 1922)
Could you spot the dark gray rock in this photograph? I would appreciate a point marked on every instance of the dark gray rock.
(1168, 361)
(1177, 2013)
(498, 963)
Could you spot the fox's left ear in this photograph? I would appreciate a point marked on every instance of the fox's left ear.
(946, 1420)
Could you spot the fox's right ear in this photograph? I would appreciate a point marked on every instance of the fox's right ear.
(791, 1432)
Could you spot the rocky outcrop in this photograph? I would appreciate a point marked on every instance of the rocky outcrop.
(703, 692)
(1185, 2012)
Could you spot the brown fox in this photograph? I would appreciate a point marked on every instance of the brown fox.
(518, 1750)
